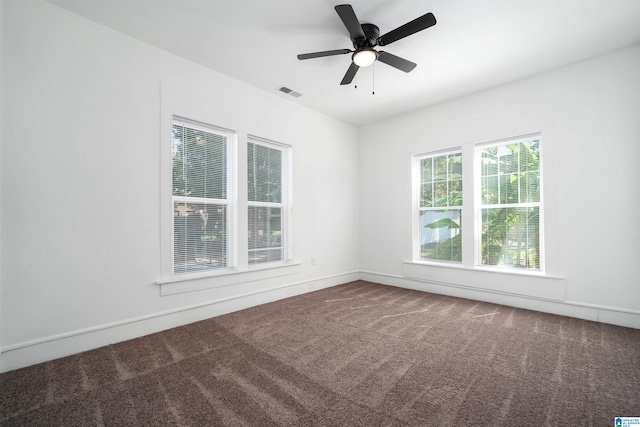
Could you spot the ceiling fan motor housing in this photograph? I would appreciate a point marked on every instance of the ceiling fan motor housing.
(370, 40)
(365, 37)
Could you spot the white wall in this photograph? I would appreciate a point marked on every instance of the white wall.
(81, 170)
(588, 114)
(1, 143)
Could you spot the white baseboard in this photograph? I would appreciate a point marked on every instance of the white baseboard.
(596, 313)
(53, 347)
(48, 348)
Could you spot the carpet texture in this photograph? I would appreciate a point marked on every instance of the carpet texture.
(358, 354)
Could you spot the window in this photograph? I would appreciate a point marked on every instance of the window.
(502, 218)
(510, 188)
(267, 200)
(213, 233)
(200, 196)
(439, 210)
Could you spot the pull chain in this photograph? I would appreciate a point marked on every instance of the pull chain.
(373, 78)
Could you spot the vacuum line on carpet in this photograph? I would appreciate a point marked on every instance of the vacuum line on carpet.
(404, 314)
(488, 314)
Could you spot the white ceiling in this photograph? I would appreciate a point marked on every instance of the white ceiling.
(476, 44)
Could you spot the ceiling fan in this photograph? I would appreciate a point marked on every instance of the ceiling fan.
(367, 36)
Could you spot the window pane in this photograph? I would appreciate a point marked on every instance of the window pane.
(530, 187)
(441, 235)
(199, 237)
(439, 230)
(264, 168)
(440, 194)
(266, 255)
(455, 193)
(508, 162)
(440, 168)
(441, 180)
(266, 201)
(199, 163)
(455, 166)
(511, 237)
(426, 195)
(490, 161)
(490, 190)
(265, 231)
(509, 191)
(529, 155)
(517, 167)
(426, 170)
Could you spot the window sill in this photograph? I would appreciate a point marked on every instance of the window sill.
(525, 283)
(487, 269)
(226, 277)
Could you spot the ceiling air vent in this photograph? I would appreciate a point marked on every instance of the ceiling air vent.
(290, 91)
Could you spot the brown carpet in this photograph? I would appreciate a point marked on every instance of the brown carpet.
(358, 354)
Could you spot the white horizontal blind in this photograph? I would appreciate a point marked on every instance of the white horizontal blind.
(266, 201)
(440, 206)
(200, 196)
(510, 192)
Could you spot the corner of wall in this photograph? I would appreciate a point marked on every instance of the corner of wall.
(545, 304)
(1, 144)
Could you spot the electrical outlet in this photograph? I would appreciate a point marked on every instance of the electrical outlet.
(313, 261)
(311, 286)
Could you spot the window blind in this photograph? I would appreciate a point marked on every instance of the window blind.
(510, 203)
(266, 207)
(200, 200)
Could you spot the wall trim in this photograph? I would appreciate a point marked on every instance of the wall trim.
(178, 285)
(44, 349)
(533, 285)
(594, 312)
(27, 353)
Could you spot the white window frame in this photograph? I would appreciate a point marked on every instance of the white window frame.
(472, 207)
(229, 202)
(416, 182)
(285, 205)
(478, 148)
(178, 103)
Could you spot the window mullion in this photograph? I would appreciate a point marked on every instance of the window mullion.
(209, 201)
(266, 204)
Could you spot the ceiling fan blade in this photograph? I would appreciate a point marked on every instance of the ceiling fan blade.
(324, 53)
(348, 16)
(396, 61)
(418, 24)
(351, 73)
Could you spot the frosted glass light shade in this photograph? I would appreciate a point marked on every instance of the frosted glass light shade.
(364, 57)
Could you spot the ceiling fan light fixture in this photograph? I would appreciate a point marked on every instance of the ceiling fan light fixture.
(365, 57)
(365, 37)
